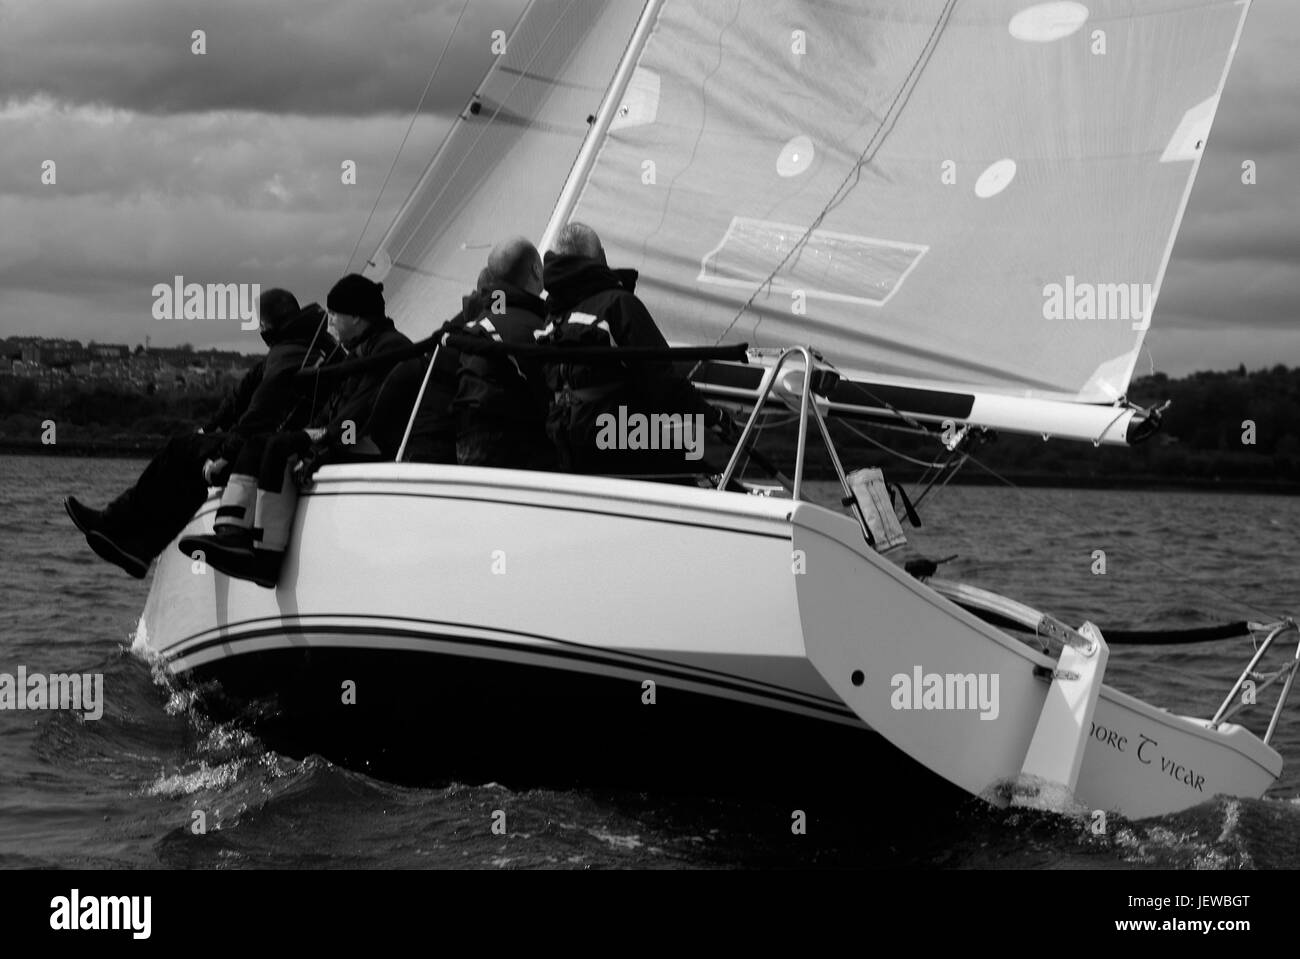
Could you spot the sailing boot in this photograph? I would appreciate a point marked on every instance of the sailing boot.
(275, 513)
(229, 547)
(106, 539)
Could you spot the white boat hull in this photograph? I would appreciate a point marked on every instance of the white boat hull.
(555, 578)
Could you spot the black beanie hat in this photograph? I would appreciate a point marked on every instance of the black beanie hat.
(357, 296)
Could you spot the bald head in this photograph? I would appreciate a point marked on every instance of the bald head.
(578, 239)
(515, 262)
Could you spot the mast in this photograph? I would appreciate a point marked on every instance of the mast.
(586, 159)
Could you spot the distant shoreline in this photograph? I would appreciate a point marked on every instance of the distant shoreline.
(146, 447)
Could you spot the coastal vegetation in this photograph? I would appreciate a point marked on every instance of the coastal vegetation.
(1235, 428)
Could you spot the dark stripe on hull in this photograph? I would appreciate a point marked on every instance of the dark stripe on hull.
(431, 718)
(661, 669)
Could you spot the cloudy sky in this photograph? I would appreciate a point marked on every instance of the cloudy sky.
(226, 167)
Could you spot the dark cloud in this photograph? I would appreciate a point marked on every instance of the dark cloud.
(339, 57)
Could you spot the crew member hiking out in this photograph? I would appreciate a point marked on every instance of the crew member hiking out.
(501, 400)
(251, 531)
(595, 402)
(139, 523)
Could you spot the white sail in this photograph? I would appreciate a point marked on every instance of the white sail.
(978, 195)
(503, 164)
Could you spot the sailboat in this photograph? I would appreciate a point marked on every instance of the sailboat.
(940, 215)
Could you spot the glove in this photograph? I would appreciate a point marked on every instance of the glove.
(212, 469)
(304, 471)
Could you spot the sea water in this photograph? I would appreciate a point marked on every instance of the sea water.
(151, 783)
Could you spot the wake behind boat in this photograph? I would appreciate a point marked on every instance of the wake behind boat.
(874, 200)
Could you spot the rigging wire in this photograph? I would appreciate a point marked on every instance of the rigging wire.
(893, 452)
(409, 127)
(525, 71)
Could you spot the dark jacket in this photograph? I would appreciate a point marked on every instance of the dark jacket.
(592, 305)
(433, 435)
(354, 397)
(280, 401)
(504, 392)
(236, 401)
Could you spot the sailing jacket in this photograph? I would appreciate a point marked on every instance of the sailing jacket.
(354, 397)
(278, 400)
(498, 391)
(236, 401)
(592, 305)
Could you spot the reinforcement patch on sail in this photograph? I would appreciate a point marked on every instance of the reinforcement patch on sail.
(827, 265)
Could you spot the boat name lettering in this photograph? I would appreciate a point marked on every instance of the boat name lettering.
(1184, 774)
(1108, 736)
(1146, 741)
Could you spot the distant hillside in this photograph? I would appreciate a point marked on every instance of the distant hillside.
(1200, 444)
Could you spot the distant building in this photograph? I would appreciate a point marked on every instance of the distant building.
(108, 351)
(43, 357)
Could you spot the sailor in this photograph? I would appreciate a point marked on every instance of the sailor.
(136, 526)
(433, 434)
(251, 530)
(501, 400)
(592, 305)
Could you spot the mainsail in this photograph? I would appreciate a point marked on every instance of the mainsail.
(501, 168)
(980, 195)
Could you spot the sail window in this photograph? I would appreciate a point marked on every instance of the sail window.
(796, 157)
(995, 179)
(830, 266)
(1045, 22)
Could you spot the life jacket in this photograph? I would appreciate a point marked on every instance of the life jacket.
(503, 389)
